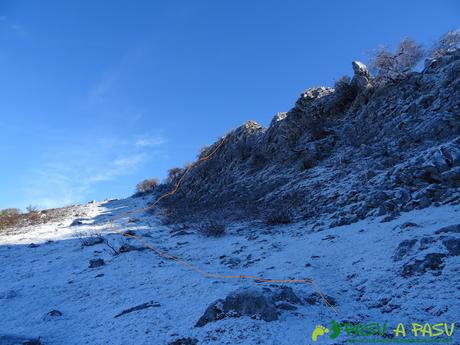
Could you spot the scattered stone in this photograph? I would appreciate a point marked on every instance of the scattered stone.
(129, 233)
(286, 306)
(389, 308)
(77, 222)
(232, 262)
(54, 313)
(315, 298)
(8, 294)
(125, 248)
(404, 249)
(452, 245)
(454, 229)
(181, 233)
(425, 242)
(9, 339)
(138, 307)
(91, 241)
(93, 263)
(51, 315)
(431, 262)
(184, 341)
(34, 245)
(408, 225)
(286, 294)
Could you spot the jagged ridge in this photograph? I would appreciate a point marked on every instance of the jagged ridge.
(341, 154)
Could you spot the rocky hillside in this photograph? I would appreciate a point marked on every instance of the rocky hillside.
(339, 155)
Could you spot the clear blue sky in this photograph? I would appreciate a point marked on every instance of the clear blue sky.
(98, 95)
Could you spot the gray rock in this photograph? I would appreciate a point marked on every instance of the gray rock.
(286, 294)
(184, 341)
(404, 249)
(431, 262)
(10, 339)
(452, 229)
(452, 245)
(92, 241)
(93, 263)
(253, 303)
(125, 248)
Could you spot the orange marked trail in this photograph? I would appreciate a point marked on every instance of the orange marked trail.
(190, 266)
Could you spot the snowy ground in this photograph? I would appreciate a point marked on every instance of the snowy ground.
(351, 263)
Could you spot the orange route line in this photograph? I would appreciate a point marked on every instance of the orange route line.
(191, 267)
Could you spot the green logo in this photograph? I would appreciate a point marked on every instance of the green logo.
(375, 332)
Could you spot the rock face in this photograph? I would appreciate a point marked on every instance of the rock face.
(347, 153)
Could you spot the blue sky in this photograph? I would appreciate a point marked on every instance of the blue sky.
(98, 95)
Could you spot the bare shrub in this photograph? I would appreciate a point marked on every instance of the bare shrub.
(146, 186)
(31, 209)
(204, 151)
(33, 214)
(173, 173)
(343, 82)
(97, 238)
(448, 41)
(393, 66)
(9, 217)
(212, 228)
(279, 216)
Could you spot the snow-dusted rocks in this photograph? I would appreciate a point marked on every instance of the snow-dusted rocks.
(335, 149)
(362, 79)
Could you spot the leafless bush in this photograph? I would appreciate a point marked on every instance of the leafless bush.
(449, 40)
(9, 217)
(31, 209)
(33, 214)
(279, 216)
(341, 83)
(173, 173)
(212, 228)
(146, 186)
(393, 66)
(97, 238)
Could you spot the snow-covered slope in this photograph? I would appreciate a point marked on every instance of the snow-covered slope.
(47, 289)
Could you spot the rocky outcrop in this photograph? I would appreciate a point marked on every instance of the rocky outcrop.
(340, 154)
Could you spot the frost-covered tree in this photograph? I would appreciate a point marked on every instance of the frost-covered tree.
(393, 66)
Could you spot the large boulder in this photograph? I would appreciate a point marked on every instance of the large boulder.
(362, 79)
(253, 303)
